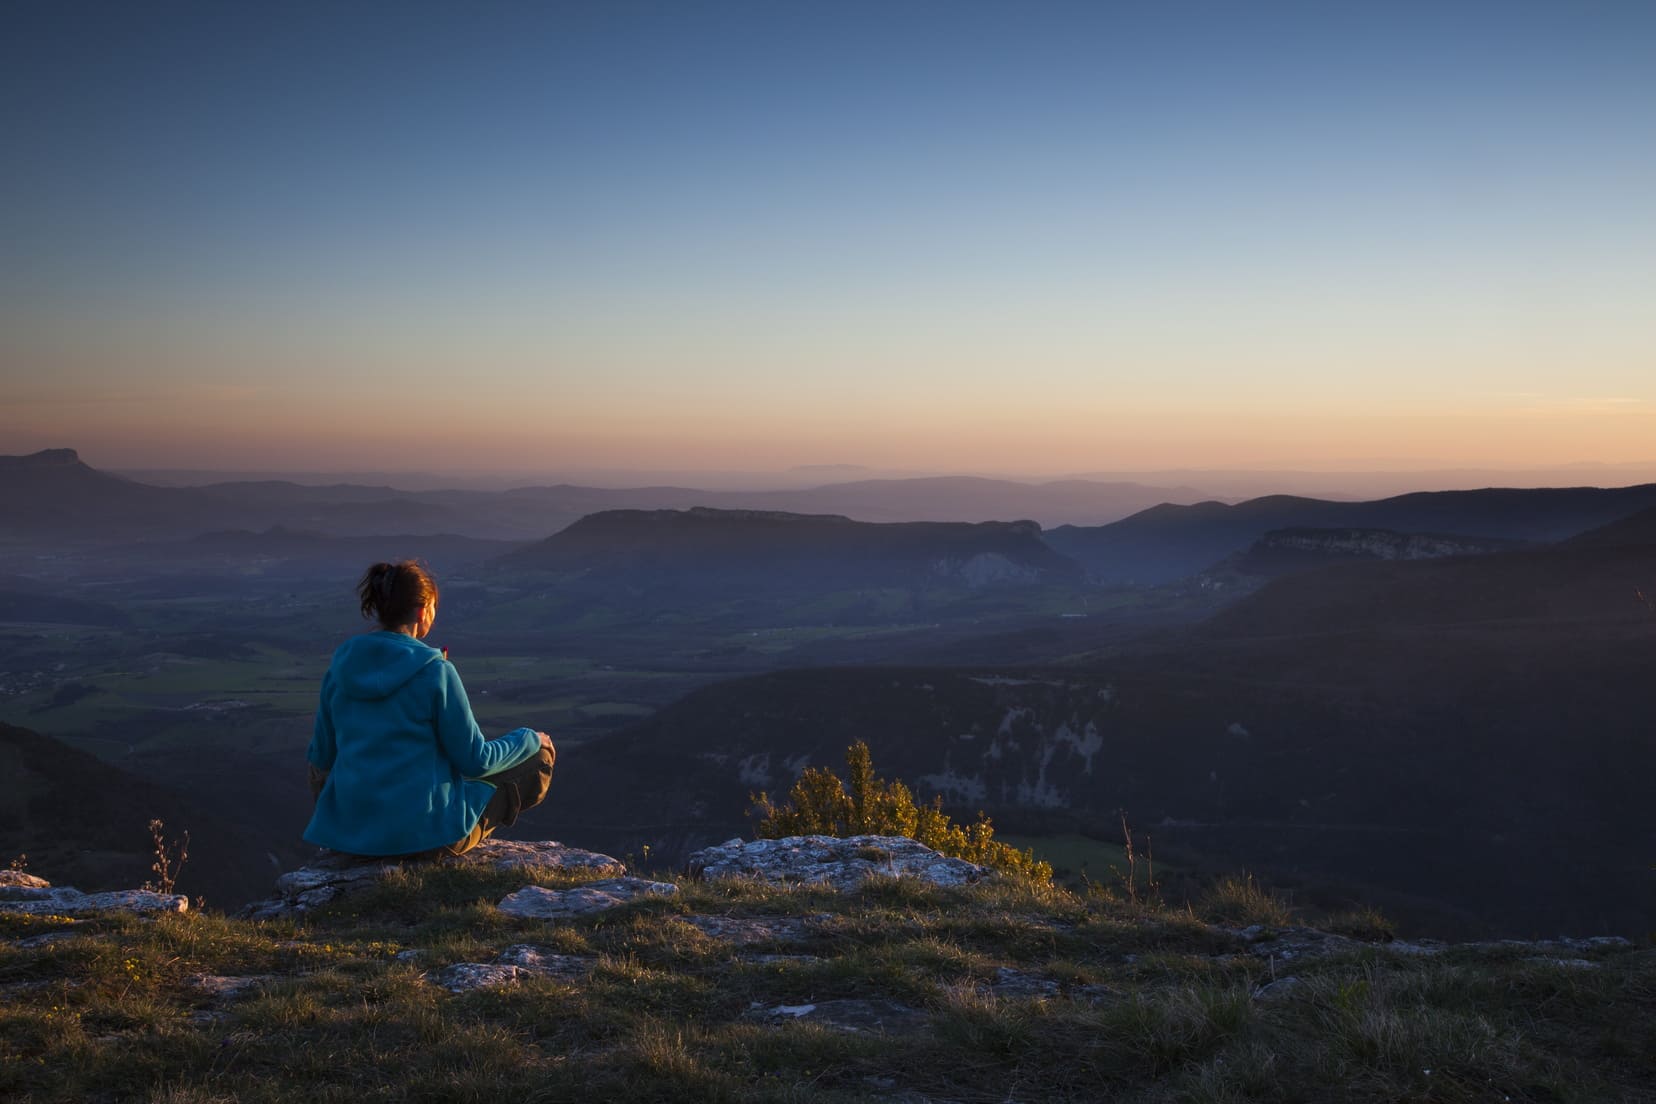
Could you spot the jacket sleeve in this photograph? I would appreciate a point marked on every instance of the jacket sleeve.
(323, 746)
(463, 742)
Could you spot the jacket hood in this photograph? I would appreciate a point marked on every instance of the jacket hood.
(379, 664)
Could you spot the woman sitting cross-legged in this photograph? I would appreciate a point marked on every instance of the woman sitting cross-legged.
(398, 765)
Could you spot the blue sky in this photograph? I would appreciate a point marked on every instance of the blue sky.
(950, 236)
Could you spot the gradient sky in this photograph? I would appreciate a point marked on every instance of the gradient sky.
(1014, 237)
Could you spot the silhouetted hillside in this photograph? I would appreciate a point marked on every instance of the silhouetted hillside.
(1587, 583)
(1168, 542)
(84, 822)
(746, 551)
(54, 492)
(1466, 740)
(1635, 529)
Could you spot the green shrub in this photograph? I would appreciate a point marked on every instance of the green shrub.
(819, 804)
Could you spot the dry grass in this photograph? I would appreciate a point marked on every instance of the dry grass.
(1142, 1005)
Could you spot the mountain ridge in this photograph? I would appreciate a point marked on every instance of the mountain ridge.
(83, 502)
(1170, 542)
(764, 548)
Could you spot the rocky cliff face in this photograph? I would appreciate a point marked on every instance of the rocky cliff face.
(1379, 544)
(1286, 551)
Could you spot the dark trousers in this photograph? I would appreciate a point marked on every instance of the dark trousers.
(516, 789)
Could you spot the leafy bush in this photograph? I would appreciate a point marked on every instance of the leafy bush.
(819, 804)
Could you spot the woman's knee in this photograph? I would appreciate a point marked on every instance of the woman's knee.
(534, 789)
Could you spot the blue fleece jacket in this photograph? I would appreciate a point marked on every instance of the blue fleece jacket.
(404, 756)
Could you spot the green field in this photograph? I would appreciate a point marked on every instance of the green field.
(1078, 859)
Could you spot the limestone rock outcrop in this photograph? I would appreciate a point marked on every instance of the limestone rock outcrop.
(27, 893)
(842, 864)
(514, 964)
(331, 875)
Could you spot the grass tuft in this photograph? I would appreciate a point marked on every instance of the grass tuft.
(1366, 924)
(1241, 901)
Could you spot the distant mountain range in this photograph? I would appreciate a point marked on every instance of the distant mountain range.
(815, 538)
(1230, 484)
(55, 494)
(1171, 542)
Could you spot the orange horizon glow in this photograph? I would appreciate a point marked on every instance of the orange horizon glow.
(255, 433)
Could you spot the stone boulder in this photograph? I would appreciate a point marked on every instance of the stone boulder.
(842, 864)
(331, 875)
(538, 855)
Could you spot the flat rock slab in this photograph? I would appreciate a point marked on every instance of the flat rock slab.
(539, 903)
(512, 966)
(20, 878)
(463, 977)
(544, 963)
(875, 1017)
(332, 875)
(755, 931)
(1016, 985)
(220, 987)
(842, 864)
(780, 959)
(69, 901)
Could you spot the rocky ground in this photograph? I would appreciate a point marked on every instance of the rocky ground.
(807, 968)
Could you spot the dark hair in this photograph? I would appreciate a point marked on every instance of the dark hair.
(395, 593)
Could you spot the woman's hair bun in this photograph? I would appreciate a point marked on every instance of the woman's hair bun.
(394, 593)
